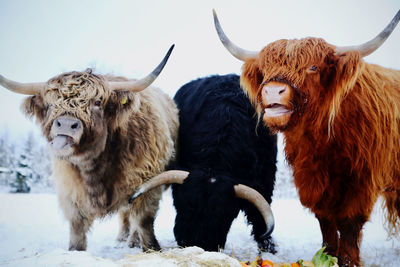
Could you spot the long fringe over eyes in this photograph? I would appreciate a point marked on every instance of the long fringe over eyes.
(72, 93)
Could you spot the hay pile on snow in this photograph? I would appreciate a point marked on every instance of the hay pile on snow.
(190, 257)
(186, 257)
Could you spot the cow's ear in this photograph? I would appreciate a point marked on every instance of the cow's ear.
(34, 106)
(251, 79)
(344, 72)
(348, 68)
(120, 105)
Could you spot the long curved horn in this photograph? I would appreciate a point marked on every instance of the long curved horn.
(21, 88)
(235, 50)
(167, 177)
(253, 196)
(139, 85)
(369, 47)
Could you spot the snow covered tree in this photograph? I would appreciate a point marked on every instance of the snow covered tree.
(5, 159)
(41, 165)
(3, 152)
(22, 174)
(25, 166)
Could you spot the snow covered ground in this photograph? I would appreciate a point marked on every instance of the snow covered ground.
(33, 232)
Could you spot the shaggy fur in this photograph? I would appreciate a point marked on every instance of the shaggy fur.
(221, 146)
(343, 137)
(127, 138)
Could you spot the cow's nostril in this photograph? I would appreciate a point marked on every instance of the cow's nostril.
(75, 125)
(58, 123)
(282, 91)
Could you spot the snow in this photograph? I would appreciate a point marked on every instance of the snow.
(4, 170)
(34, 232)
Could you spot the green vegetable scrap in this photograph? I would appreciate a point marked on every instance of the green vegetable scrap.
(322, 259)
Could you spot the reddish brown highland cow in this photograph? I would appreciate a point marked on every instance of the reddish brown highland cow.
(341, 121)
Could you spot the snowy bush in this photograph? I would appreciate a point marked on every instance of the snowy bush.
(25, 165)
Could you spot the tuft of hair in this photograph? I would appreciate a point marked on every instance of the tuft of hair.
(392, 212)
(72, 92)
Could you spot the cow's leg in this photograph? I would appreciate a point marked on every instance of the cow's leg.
(134, 240)
(142, 234)
(79, 226)
(265, 243)
(142, 215)
(78, 223)
(142, 231)
(350, 238)
(125, 226)
(146, 232)
(330, 238)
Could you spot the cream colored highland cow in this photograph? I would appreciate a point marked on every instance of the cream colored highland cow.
(107, 135)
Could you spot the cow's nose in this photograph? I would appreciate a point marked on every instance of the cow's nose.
(67, 124)
(275, 93)
(275, 90)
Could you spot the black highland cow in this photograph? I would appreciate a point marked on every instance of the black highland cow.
(226, 162)
(220, 145)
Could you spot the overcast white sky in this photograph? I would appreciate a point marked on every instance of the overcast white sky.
(43, 38)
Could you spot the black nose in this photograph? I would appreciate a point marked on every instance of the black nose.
(64, 123)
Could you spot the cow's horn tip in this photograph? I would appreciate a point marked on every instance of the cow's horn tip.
(267, 233)
(133, 197)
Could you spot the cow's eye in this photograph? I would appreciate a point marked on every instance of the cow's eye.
(97, 103)
(313, 68)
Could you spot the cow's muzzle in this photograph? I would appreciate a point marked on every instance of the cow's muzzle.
(276, 98)
(65, 132)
